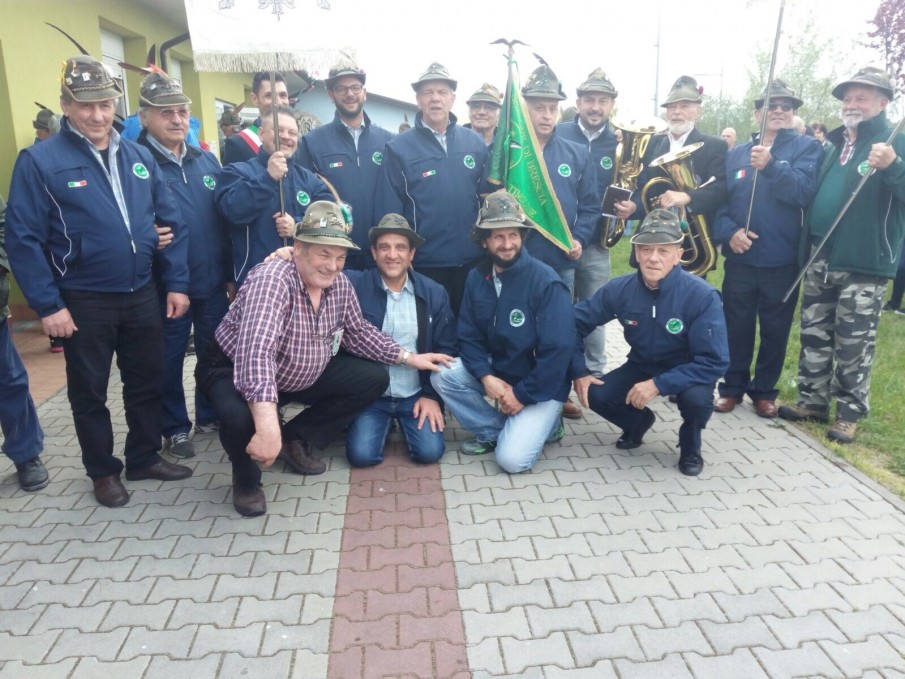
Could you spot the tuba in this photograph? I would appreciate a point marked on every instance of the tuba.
(700, 255)
(627, 166)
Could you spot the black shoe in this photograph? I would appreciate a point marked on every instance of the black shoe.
(32, 474)
(160, 471)
(634, 439)
(691, 465)
(249, 501)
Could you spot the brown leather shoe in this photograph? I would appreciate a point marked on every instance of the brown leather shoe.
(766, 407)
(725, 404)
(110, 491)
(571, 410)
(160, 471)
(800, 413)
(297, 456)
(842, 431)
(249, 501)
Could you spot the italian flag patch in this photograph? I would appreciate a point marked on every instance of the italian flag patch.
(740, 174)
(76, 185)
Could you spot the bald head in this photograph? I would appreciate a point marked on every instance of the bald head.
(729, 136)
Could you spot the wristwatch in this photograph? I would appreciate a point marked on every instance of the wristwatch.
(405, 356)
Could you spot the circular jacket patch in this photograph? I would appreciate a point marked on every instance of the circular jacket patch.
(675, 326)
(303, 198)
(564, 170)
(209, 182)
(516, 318)
(140, 171)
(377, 157)
(863, 168)
(469, 162)
(606, 163)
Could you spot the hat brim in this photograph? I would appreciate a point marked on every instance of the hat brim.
(377, 231)
(597, 89)
(693, 100)
(418, 83)
(544, 95)
(105, 94)
(656, 238)
(168, 100)
(484, 99)
(796, 102)
(332, 237)
(330, 82)
(506, 224)
(39, 126)
(839, 90)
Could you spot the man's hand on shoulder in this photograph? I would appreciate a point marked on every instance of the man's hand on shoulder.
(428, 410)
(59, 324)
(280, 253)
(177, 304)
(581, 386)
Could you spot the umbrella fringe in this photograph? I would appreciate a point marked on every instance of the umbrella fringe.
(315, 62)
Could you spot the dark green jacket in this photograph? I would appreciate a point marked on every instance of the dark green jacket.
(869, 238)
(4, 265)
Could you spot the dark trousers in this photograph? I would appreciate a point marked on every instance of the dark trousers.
(23, 438)
(751, 296)
(345, 388)
(608, 401)
(898, 284)
(452, 278)
(204, 314)
(128, 325)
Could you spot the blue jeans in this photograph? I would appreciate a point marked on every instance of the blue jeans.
(205, 314)
(368, 432)
(23, 438)
(592, 273)
(567, 276)
(519, 438)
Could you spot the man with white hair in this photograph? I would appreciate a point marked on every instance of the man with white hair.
(844, 287)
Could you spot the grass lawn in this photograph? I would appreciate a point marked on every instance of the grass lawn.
(879, 449)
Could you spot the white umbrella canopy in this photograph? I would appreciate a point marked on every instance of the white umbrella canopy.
(243, 36)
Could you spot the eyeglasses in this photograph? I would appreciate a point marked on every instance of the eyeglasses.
(777, 105)
(170, 113)
(483, 106)
(343, 90)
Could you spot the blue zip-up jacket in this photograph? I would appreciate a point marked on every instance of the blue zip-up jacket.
(436, 322)
(435, 190)
(575, 184)
(65, 230)
(526, 335)
(193, 186)
(249, 198)
(784, 189)
(603, 152)
(678, 330)
(330, 151)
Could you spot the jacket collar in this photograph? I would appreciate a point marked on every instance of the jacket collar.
(341, 126)
(485, 266)
(190, 151)
(419, 123)
(669, 282)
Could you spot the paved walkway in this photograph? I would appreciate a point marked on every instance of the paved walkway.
(778, 561)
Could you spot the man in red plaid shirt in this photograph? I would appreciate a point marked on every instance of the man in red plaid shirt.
(280, 343)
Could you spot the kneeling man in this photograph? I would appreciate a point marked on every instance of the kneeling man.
(414, 311)
(516, 337)
(673, 322)
(280, 343)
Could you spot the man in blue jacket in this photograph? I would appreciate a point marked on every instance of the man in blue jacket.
(348, 153)
(414, 311)
(248, 195)
(516, 336)
(842, 291)
(572, 176)
(81, 238)
(191, 175)
(762, 256)
(673, 322)
(430, 175)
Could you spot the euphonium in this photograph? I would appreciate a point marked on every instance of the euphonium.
(700, 255)
(627, 166)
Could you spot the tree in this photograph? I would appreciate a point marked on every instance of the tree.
(888, 36)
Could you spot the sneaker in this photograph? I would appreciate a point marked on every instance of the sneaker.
(178, 445)
(475, 447)
(557, 435)
(801, 413)
(842, 431)
(208, 428)
(56, 345)
(899, 312)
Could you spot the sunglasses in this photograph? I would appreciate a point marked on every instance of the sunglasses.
(785, 106)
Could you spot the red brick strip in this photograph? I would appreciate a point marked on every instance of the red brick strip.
(396, 609)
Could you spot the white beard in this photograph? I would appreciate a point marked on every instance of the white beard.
(678, 129)
(851, 119)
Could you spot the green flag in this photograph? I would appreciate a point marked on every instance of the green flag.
(517, 163)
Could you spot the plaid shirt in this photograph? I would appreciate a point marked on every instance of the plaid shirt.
(279, 344)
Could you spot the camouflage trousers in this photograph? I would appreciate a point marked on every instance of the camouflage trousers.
(840, 312)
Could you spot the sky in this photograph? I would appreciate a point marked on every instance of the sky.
(712, 40)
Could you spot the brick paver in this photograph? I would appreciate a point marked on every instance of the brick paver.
(778, 561)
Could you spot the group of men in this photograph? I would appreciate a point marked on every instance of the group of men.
(122, 248)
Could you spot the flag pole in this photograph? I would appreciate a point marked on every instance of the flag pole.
(276, 130)
(763, 117)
